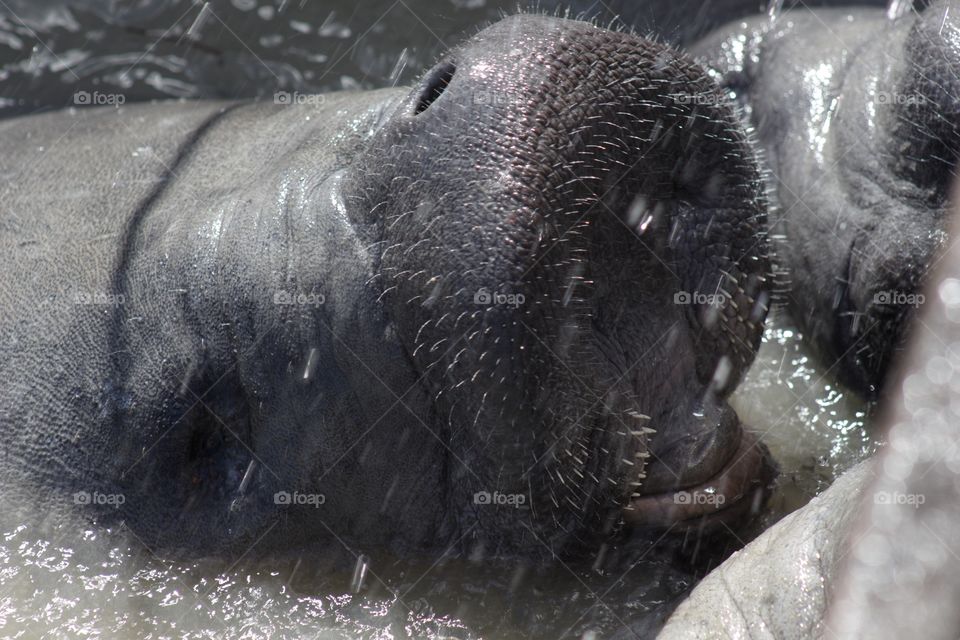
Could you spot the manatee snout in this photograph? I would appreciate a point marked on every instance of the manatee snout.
(604, 182)
(502, 309)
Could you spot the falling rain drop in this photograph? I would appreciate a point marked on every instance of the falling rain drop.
(774, 8)
(573, 279)
(760, 307)
(636, 211)
(193, 33)
(359, 573)
(247, 477)
(311, 366)
(721, 375)
(399, 67)
(896, 9)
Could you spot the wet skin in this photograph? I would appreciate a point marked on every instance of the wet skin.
(537, 274)
(857, 116)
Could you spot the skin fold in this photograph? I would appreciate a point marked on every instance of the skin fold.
(855, 113)
(500, 311)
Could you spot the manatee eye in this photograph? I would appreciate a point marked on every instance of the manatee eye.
(434, 86)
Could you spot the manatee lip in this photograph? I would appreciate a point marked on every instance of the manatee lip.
(730, 495)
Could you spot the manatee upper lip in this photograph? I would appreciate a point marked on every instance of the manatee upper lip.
(727, 493)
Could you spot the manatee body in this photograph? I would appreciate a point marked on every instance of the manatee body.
(501, 310)
(855, 110)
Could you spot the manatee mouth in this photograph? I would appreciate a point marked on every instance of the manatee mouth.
(734, 493)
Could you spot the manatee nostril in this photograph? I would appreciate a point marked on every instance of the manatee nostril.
(434, 86)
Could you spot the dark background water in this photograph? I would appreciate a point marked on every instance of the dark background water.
(152, 49)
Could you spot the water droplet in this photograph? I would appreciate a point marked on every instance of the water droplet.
(896, 9)
(359, 573)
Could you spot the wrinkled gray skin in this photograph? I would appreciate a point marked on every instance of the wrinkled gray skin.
(857, 117)
(778, 586)
(877, 554)
(146, 351)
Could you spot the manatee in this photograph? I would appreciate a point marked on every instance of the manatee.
(855, 111)
(501, 310)
(779, 585)
(875, 555)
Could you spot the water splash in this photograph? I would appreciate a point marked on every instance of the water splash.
(774, 9)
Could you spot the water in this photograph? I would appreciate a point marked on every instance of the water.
(157, 49)
(814, 428)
